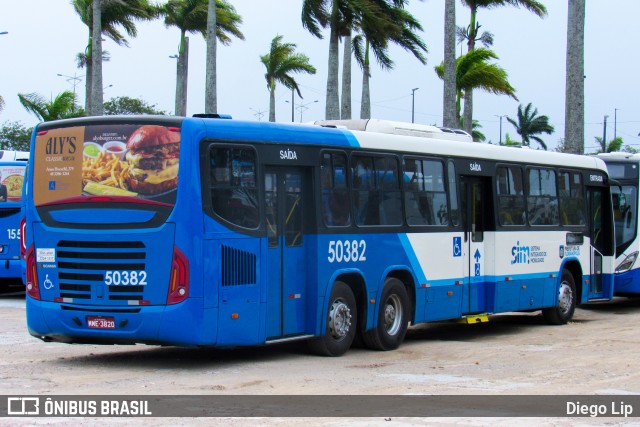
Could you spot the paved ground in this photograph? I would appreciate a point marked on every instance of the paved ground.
(513, 354)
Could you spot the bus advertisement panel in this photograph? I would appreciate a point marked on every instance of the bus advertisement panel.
(216, 232)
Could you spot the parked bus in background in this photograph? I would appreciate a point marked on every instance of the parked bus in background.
(12, 171)
(623, 168)
(214, 232)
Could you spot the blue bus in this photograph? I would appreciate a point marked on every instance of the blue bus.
(12, 172)
(623, 168)
(207, 231)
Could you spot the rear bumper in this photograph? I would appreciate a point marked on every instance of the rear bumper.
(11, 269)
(163, 325)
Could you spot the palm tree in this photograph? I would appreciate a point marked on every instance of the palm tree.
(449, 93)
(476, 133)
(574, 99)
(114, 14)
(614, 145)
(392, 24)
(339, 16)
(532, 5)
(473, 71)
(211, 90)
(191, 16)
(281, 62)
(62, 107)
(530, 125)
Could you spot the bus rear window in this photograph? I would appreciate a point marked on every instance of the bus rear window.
(11, 181)
(126, 160)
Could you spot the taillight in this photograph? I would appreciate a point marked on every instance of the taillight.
(179, 281)
(23, 238)
(32, 275)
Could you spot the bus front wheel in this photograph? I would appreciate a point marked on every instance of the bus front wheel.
(563, 311)
(392, 318)
(341, 323)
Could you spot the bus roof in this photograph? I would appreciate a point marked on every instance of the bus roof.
(377, 135)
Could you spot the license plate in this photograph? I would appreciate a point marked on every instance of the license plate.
(99, 322)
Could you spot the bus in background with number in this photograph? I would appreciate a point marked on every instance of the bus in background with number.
(12, 170)
(208, 231)
(623, 168)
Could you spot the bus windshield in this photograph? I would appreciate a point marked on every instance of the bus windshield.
(626, 216)
(118, 160)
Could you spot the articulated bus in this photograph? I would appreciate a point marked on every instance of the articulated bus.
(623, 168)
(207, 231)
(12, 170)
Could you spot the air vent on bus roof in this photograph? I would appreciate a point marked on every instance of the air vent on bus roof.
(212, 116)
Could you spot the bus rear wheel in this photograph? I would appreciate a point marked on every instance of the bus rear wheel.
(341, 323)
(563, 311)
(392, 318)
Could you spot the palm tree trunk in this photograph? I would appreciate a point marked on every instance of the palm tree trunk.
(272, 103)
(88, 82)
(211, 96)
(449, 98)
(365, 103)
(346, 79)
(332, 106)
(97, 106)
(468, 95)
(181, 78)
(574, 107)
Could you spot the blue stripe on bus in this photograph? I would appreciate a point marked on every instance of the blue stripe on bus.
(413, 259)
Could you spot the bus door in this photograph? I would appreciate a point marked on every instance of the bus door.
(600, 234)
(284, 203)
(476, 201)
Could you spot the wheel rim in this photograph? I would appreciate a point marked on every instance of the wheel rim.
(565, 297)
(339, 319)
(392, 314)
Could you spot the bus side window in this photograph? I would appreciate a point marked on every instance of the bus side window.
(335, 195)
(510, 196)
(234, 195)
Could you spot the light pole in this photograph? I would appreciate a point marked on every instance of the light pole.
(258, 113)
(501, 116)
(615, 122)
(413, 102)
(74, 80)
(305, 107)
(604, 134)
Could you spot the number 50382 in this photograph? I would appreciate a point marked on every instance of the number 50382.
(125, 278)
(347, 251)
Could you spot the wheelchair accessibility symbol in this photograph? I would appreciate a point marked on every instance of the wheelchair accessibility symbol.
(457, 246)
(48, 284)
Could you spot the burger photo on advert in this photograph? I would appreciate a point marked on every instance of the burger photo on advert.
(153, 153)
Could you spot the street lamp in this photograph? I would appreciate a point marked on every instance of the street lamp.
(300, 107)
(305, 107)
(413, 103)
(4, 32)
(615, 122)
(74, 80)
(258, 113)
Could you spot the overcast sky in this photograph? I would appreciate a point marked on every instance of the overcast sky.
(44, 37)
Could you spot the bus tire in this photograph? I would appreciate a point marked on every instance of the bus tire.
(393, 318)
(342, 320)
(561, 313)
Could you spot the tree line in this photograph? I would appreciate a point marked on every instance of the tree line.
(365, 28)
